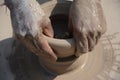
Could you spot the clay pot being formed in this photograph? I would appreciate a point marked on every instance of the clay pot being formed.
(64, 48)
(59, 12)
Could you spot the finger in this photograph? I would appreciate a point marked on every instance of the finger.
(28, 42)
(99, 34)
(48, 30)
(81, 44)
(43, 44)
(91, 40)
(91, 43)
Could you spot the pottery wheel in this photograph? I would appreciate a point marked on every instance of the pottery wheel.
(17, 63)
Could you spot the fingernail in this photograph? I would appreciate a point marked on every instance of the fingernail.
(91, 49)
(53, 58)
(77, 54)
(84, 50)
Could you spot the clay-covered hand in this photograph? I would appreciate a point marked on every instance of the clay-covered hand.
(30, 24)
(87, 24)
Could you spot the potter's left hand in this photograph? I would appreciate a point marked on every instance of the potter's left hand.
(87, 24)
(30, 24)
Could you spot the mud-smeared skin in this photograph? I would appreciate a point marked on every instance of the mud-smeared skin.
(87, 23)
(29, 24)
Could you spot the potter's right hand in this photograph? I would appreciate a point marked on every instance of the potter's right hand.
(87, 24)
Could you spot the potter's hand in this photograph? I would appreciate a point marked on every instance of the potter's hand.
(87, 23)
(45, 28)
(29, 24)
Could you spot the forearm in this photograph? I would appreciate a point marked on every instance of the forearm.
(84, 8)
(85, 3)
(25, 16)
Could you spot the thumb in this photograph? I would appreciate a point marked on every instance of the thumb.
(48, 29)
(44, 45)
